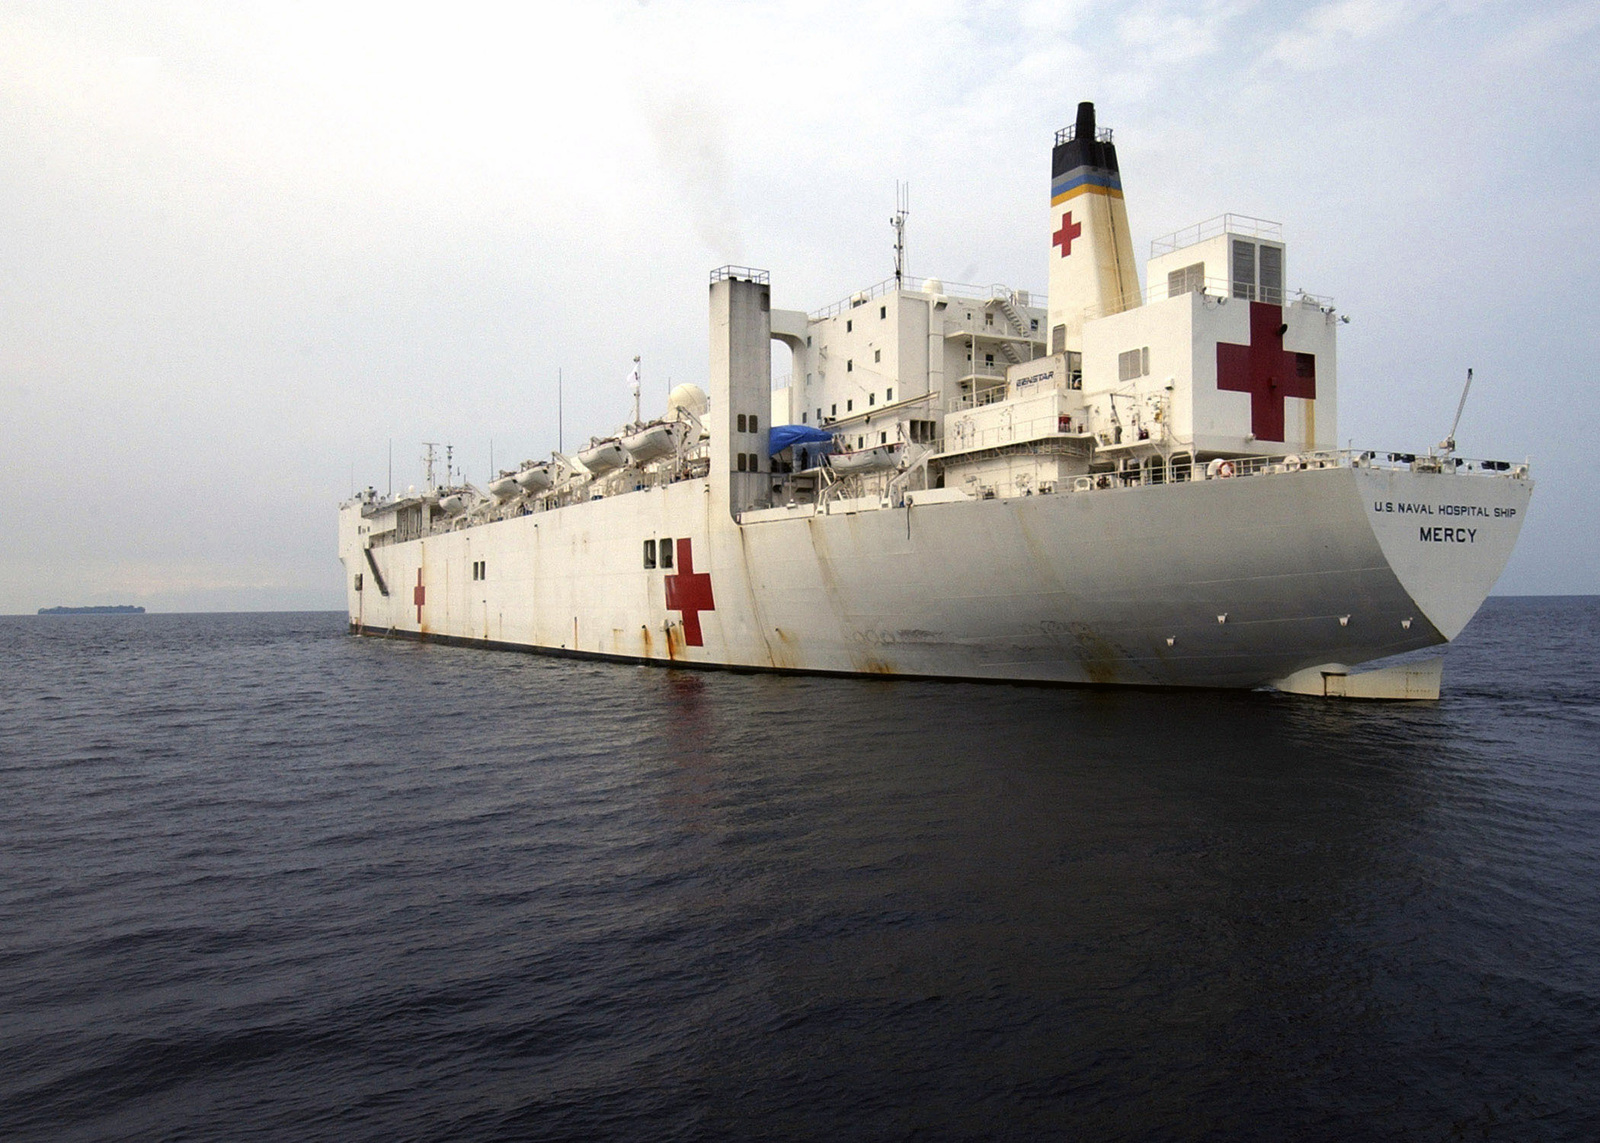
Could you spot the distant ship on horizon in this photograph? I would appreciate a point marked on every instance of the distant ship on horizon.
(116, 609)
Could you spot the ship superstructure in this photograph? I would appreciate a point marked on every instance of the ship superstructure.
(1123, 485)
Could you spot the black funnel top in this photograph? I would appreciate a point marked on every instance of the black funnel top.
(1082, 149)
(1085, 120)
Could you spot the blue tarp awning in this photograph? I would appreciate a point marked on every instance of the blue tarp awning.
(780, 437)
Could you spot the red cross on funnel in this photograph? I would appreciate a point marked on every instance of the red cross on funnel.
(690, 593)
(1265, 371)
(1069, 230)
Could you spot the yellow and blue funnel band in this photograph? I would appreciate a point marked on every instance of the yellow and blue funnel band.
(1085, 180)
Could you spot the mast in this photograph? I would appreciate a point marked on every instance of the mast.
(633, 387)
(902, 205)
(428, 459)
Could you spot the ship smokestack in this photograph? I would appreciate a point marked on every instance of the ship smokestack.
(1091, 249)
(1086, 121)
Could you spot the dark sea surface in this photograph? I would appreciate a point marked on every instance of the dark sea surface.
(263, 880)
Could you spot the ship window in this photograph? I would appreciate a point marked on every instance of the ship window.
(883, 438)
(861, 442)
(802, 417)
(358, 581)
(1058, 339)
(741, 422)
(872, 398)
(754, 423)
(1189, 280)
(666, 553)
(849, 404)
(1244, 270)
(988, 359)
(741, 462)
(988, 319)
(850, 366)
(849, 325)
(833, 410)
(888, 394)
(1033, 325)
(1134, 363)
(1271, 259)
(877, 355)
(883, 312)
(649, 553)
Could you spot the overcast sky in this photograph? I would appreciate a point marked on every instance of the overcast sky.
(245, 245)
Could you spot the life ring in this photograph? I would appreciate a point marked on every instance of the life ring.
(1225, 469)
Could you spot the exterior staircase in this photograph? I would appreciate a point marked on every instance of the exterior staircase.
(1007, 305)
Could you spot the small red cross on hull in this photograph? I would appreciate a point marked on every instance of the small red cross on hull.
(690, 593)
(418, 594)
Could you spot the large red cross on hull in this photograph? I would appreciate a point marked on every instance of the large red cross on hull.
(690, 593)
(1266, 371)
(418, 595)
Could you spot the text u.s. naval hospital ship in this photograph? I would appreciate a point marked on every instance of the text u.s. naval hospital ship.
(1121, 486)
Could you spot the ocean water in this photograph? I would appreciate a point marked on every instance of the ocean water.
(263, 880)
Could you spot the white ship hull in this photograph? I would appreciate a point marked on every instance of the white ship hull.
(1221, 583)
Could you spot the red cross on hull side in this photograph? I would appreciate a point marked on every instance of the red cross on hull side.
(418, 595)
(690, 593)
(1069, 230)
(1266, 371)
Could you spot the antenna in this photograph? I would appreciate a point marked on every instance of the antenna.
(560, 443)
(428, 459)
(902, 207)
(391, 468)
(1449, 442)
(633, 386)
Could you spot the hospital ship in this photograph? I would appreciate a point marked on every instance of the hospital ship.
(1112, 484)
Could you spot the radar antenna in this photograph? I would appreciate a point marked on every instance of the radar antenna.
(902, 207)
(1449, 442)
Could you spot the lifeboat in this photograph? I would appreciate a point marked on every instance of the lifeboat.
(453, 504)
(533, 477)
(879, 458)
(504, 488)
(603, 457)
(652, 442)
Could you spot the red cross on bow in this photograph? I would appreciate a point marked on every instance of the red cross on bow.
(689, 593)
(1265, 371)
(418, 595)
(1069, 230)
